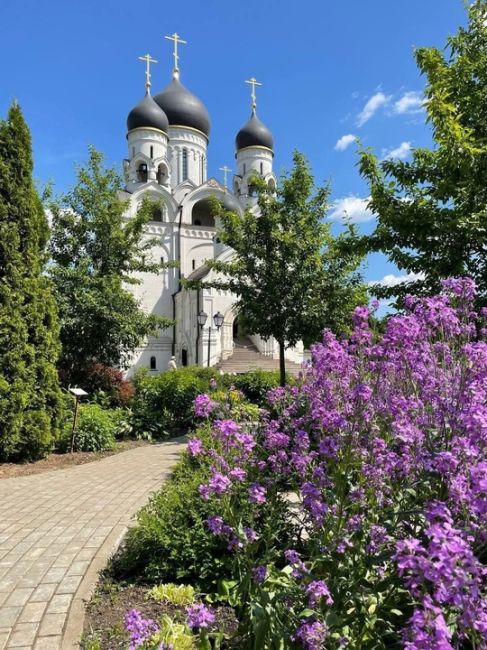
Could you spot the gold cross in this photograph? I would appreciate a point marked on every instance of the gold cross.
(253, 82)
(176, 39)
(225, 171)
(148, 59)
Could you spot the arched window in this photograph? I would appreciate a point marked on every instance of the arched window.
(152, 152)
(245, 168)
(261, 169)
(162, 174)
(253, 191)
(185, 164)
(142, 173)
(193, 264)
(153, 363)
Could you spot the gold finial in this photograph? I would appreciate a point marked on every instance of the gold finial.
(176, 39)
(225, 171)
(253, 82)
(148, 60)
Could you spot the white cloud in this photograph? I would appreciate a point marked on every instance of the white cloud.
(345, 141)
(401, 152)
(392, 280)
(372, 106)
(411, 102)
(351, 209)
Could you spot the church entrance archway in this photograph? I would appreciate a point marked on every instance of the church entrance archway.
(202, 214)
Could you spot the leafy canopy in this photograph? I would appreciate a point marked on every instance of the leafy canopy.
(292, 277)
(432, 210)
(96, 253)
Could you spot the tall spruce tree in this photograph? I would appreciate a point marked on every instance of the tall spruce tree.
(30, 397)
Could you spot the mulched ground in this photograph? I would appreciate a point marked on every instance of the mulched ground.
(104, 620)
(62, 461)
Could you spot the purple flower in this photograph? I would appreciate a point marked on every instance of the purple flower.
(139, 628)
(199, 616)
(311, 635)
(203, 406)
(260, 574)
(316, 590)
(194, 446)
(257, 493)
(219, 483)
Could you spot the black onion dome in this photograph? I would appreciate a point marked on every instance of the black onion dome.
(147, 114)
(254, 134)
(183, 108)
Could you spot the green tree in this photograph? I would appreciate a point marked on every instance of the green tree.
(96, 253)
(292, 277)
(432, 210)
(30, 397)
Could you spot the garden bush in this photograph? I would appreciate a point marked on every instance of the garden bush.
(380, 457)
(170, 542)
(163, 404)
(108, 385)
(96, 429)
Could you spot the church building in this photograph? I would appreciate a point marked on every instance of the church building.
(168, 139)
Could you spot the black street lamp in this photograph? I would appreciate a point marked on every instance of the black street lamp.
(218, 319)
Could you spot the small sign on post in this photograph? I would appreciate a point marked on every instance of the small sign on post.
(78, 394)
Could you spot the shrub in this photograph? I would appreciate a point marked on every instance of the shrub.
(117, 390)
(164, 403)
(381, 456)
(170, 542)
(256, 384)
(96, 429)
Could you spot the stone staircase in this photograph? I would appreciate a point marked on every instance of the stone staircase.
(246, 357)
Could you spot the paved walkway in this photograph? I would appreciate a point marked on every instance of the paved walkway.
(56, 532)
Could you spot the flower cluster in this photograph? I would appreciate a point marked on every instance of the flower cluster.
(199, 616)
(384, 436)
(140, 629)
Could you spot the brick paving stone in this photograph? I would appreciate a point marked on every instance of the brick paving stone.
(23, 635)
(54, 525)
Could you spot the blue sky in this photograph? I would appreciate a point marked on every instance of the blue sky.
(329, 69)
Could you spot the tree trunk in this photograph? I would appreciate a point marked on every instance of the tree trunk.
(282, 364)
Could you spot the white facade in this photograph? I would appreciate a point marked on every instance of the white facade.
(172, 170)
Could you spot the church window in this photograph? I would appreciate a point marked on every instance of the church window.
(133, 152)
(193, 264)
(245, 168)
(152, 152)
(162, 260)
(261, 169)
(197, 222)
(185, 164)
(153, 363)
(162, 174)
(142, 173)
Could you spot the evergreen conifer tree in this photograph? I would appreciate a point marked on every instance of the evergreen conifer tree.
(30, 397)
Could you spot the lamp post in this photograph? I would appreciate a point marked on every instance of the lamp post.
(78, 394)
(218, 319)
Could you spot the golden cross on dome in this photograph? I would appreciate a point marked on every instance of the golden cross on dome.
(253, 82)
(225, 171)
(177, 40)
(148, 60)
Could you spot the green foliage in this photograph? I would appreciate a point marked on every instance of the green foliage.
(291, 275)
(176, 634)
(30, 397)
(164, 402)
(96, 251)
(171, 541)
(96, 428)
(171, 593)
(432, 210)
(256, 384)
